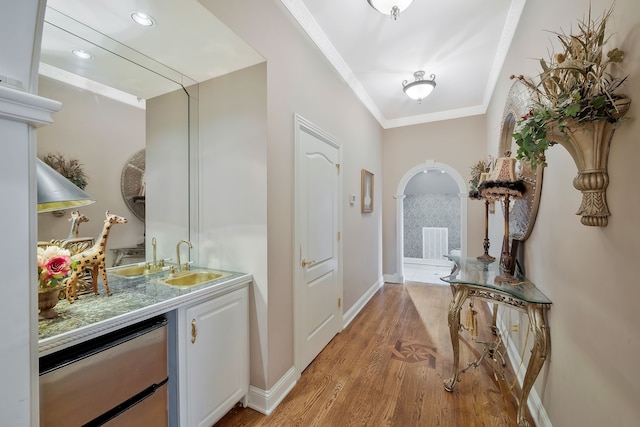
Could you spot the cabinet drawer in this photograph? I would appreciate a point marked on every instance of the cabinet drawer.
(83, 382)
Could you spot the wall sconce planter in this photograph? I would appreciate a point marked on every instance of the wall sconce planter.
(588, 144)
(577, 105)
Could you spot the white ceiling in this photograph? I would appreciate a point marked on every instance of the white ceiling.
(462, 42)
(188, 44)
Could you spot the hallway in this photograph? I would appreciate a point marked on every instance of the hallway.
(425, 273)
(387, 369)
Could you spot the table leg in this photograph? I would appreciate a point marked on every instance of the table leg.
(539, 354)
(460, 294)
(118, 258)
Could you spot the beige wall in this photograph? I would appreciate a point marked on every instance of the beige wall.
(167, 173)
(233, 189)
(84, 129)
(591, 377)
(458, 143)
(299, 80)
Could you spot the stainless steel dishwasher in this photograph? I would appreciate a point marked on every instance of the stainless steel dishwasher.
(119, 379)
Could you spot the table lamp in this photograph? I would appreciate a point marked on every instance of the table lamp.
(503, 183)
(485, 257)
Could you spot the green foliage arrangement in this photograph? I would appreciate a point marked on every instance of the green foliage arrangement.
(575, 84)
(477, 169)
(69, 168)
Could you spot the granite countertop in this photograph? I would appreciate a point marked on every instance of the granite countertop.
(133, 299)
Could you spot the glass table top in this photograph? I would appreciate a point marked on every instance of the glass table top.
(471, 271)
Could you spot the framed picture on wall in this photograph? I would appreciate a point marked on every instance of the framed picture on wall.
(367, 192)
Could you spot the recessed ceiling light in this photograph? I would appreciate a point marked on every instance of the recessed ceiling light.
(83, 54)
(142, 19)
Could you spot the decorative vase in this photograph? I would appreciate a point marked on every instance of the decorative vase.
(47, 300)
(588, 144)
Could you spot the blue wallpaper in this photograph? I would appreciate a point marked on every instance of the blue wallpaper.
(430, 210)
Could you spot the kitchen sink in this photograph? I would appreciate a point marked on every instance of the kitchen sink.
(135, 270)
(193, 278)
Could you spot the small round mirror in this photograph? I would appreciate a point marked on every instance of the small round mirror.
(132, 184)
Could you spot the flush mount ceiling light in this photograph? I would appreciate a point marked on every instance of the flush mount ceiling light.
(142, 19)
(420, 88)
(82, 54)
(390, 7)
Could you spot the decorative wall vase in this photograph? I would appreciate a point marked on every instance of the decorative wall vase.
(588, 144)
(47, 300)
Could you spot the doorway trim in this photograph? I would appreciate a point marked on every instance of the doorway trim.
(399, 196)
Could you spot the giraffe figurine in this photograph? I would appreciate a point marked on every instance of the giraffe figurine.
(94, 258)
(76, 219)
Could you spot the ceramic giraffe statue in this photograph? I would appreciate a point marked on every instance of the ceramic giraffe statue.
(93, 258)
(76, 219)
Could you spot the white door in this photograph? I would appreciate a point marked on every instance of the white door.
(318, 285)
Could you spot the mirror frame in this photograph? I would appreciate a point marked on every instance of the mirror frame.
(523, 211)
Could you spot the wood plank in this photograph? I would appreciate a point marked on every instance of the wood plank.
(388, 367)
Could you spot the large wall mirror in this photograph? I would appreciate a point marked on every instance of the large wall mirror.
(523, 211)
(133, 102)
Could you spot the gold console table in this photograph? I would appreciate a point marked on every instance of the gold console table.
(471, 278)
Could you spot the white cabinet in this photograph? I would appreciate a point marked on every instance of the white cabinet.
(213, 353)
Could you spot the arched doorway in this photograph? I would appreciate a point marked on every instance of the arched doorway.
(462, 195)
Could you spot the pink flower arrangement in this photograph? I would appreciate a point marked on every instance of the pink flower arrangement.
(54, 264)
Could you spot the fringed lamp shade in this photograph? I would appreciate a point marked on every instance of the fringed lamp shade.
(504, 183)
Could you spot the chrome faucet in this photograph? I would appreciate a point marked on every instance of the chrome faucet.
(186, 265)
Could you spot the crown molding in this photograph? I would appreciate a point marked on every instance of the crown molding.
(24, 107)
(308, 23)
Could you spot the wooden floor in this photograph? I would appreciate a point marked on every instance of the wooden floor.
(387, 369)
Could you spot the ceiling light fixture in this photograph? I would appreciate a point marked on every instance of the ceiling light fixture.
(142, 19)
(82, 54)
(420, 88)
(390, 7)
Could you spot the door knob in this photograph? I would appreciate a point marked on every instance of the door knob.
(305, 262)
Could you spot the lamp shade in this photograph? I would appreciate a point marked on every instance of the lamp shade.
(420, 88)
(484, 176)
(503, 180)
(55, 192)
(390, 7)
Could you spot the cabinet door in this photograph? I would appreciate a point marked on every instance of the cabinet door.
(216, 356)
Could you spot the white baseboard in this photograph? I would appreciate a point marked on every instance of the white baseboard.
(265, 401)
(359, 305)
(393, 278)
(538, 413)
